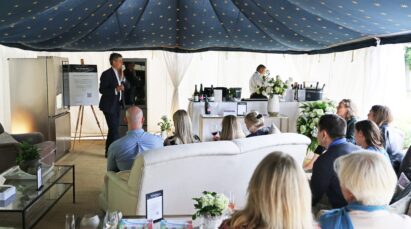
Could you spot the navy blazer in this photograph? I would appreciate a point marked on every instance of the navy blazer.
(109, 101)
(324, 180)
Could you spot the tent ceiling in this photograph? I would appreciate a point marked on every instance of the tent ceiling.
(291, 26)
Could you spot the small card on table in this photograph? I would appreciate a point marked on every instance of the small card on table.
(154, 206)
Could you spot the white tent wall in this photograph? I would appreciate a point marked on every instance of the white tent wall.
(374, 75)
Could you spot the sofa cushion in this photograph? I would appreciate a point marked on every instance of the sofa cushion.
(7, 138)
(401, 200)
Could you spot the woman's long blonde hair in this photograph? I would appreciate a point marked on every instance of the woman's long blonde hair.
(231, 128)
(183, 132)
(278, 196)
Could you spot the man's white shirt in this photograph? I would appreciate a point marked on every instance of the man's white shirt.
(255, 80)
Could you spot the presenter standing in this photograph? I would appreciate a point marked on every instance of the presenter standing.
(257, 80)
(112, 86)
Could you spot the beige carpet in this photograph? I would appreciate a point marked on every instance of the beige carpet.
(90, 165)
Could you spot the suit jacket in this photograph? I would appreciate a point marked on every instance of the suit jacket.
(109, 101)
(324, 180)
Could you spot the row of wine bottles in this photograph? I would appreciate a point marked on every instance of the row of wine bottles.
(302, 86)
(203, 95)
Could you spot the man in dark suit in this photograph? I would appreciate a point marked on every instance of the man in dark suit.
(324, 180)
(112, 86)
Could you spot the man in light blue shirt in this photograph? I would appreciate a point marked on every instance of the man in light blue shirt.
(121, 153)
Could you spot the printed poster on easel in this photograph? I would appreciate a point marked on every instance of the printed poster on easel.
(80, 85)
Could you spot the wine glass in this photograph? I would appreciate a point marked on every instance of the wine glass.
(111, 220)
(231, 201)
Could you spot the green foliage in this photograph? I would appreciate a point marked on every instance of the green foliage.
(408, 57)
(28, 152)
(211, 204)
(165, 123)
(310, 114)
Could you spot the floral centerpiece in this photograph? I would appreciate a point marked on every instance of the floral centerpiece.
(310, 114)
(210, 204)
(271, 86)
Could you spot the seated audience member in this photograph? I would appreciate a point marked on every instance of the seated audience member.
(368, 136)
(183, 133)
(347, 110)
(331, 132)
(391, 138)
(368, 183)
(255, 124)
(231, 128)
(278, 196)
(122, 152)
(406, 164)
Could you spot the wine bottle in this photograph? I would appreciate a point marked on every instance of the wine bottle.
(201, 96)
(211, 98)
(196, 95)
(207, 108)
(316, 86)
(323, 87)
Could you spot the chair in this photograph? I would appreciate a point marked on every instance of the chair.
(9, 148)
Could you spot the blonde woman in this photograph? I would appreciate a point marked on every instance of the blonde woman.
(278, 197)
(183, 133)
(368, 183)
(255, 124)
(231, 128)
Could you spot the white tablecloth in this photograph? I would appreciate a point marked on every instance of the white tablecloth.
(196, 109)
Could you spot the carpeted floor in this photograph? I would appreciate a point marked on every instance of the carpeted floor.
(90, 165)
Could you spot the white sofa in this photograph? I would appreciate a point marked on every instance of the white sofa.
(185, 171)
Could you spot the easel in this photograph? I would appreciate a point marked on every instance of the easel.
(80, 117)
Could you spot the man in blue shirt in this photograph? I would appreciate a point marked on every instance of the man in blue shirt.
(324, 180)
(121, 153)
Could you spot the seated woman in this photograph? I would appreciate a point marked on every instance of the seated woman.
(368, 136)
(278, 196)
(368, 183)
(183, 133)
(391, 138)
(346, 109)
(255, 124)
(231, 128)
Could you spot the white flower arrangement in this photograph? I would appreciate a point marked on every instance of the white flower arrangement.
(270, 86)
(310, 114)
(210, 204)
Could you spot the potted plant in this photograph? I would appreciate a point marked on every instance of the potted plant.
(28, 158)
(211, 207)
(165, 126)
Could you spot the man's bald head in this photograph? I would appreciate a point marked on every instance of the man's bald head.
(135, 118)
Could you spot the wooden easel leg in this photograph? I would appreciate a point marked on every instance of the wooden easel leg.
(98, 123)
(78, 120)
(81, 122)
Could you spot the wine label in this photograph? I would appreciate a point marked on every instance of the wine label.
(196, 99)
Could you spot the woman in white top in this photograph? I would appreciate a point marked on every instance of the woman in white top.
(368, 183)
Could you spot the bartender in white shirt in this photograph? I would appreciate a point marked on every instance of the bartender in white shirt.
(257, 80)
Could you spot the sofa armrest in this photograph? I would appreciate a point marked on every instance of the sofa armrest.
(120, 196)
(32, 138)
(8, 154)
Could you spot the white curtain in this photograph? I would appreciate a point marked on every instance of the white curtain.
(177, 65)
(374, 75)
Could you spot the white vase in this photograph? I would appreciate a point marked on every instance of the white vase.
(273, 107)
(164, 134)
(212, 222)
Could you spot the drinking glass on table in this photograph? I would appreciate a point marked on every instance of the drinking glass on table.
(231, 201)
(111, 220)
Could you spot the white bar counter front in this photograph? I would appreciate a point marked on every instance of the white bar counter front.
(288, 110)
